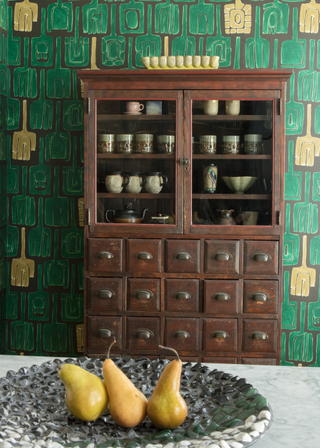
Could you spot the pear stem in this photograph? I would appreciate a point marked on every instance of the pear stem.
(172, 349)
(112, 343)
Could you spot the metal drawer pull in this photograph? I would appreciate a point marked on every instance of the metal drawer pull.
(105, 333)
(222, 256)
(106, 254)
(182, 256)
(183, 295)
(259, 335)
(182, 334)
(220, 335)
(144, 256)
(106, 294)
(261, 257)
(143, 294)
(221, 296)
(144, 333)
(260, 297)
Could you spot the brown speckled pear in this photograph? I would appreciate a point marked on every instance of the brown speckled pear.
(166, 407)
(86, 394)
(127, 405)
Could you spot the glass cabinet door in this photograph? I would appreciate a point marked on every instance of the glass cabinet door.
(136, 145)
(232, 162)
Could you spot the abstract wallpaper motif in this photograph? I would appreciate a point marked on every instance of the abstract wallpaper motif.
(42, 45)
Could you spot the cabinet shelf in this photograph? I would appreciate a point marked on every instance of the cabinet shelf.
(262, 197)
(232, 156)
(135, 156)
(230, 118)
(135, 196)
(120, 117)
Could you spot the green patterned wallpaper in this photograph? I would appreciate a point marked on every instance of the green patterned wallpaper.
(42, 46)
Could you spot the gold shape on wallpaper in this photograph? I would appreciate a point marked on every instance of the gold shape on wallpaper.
(23, 141)
(302, 278)
(24, 14)
(307, 147)
(310, 17)
(22, 268)
(237, 18)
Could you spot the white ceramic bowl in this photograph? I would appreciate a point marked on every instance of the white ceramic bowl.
(239, 184)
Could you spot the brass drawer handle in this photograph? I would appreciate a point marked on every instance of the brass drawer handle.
(105, 254)
(144, 333)
(260, 297)
(105, 333)
(182, 256)
(259, 335)
(181, 334)
(221, 296)
(261, 257)
(106, 294)
(143, 294)
(144, 256)
(222, 256)
(183, 295)
(220, 335)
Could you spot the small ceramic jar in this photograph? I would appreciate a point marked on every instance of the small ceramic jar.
(208, 144)
(210, 177)
(144, 144)
(210, 107)
(166, 144)
(253, 143)
(231, 144)
(124, 143)
(105, 143)
(232, 107)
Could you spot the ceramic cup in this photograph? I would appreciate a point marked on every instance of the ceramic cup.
(105, 143)
(196, 61)
(231, 144)
(250, 218)
(154, 182)
(115, 181)
(210, 107)
(163, 61)
(171, 61)
(135, 182)
(154, 61)
(180, 61)
(134, 107)
(187, 61)
(208, 144)
(124, 143)
(232, 107)
(145, 61)
(144, 144)
(166, 144)
(253, 143)
(205, 61)
(214, 61)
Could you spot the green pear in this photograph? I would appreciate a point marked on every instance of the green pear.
(127, 405)
(166, 407)
(86, 394)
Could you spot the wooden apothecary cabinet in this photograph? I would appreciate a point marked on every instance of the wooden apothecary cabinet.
(184, 267)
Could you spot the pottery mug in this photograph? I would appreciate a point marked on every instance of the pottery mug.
(231, 144)
(135, 182)
(144, 144)
(232, 107)
(210, 107)
(166, 144)
(155, 182)
(105, 143)
(115, 181)
(208, 144)
(250, 218)
(124, 143)
(253, 143)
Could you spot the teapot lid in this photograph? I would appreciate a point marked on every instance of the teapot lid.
(127, 212)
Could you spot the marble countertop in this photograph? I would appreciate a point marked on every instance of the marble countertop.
(292, 392)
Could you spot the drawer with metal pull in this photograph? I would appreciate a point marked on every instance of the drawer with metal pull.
(105, 294)
(105, 255)
(143, 333)
(182, 295)
(221, 296)
(182, 334)
(183, 256)
(259, 336)
(144, 256)
(143, 294)
(260, 296)
(101, 331)
(220, 335)
(261, 257)
(221, 257)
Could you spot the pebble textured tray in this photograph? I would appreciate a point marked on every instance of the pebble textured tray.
(224, 411)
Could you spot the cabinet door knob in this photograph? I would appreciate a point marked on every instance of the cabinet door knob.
(182, 256)
(260, 297)
(144, 333)
(144, 256)
(220, 335)
(105, 254)
(143, 294)
(261, 257)
(222, 296)
(259, 335)
(222, 256)
(181, 334)
(183, 295)
(106, 294)
(105, 333)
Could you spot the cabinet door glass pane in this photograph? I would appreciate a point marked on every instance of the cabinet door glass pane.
(135, 169)
(232, 162)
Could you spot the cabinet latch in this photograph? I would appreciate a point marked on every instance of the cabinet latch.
(185, 163)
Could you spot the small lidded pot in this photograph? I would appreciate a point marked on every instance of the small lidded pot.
(105, 143)
(231, 144)
(144, 144)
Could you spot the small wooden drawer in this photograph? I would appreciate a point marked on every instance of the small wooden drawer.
(261, 257)
(220, 335)
(221, 296)
(221, 257)
(183, 256)
(144, 256)
(182, 333)
(105, 255)
(143, 333)
(101, 331)
(220, 359)
(143, 294)
(259, 336)
(259, 361)
(260, 296)
(105, 294)
(182, 295)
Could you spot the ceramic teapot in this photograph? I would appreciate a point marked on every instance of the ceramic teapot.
(225, 218)
(127, 215)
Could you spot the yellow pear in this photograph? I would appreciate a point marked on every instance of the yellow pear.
(86, 394)
(166, 407)
(127, 405)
